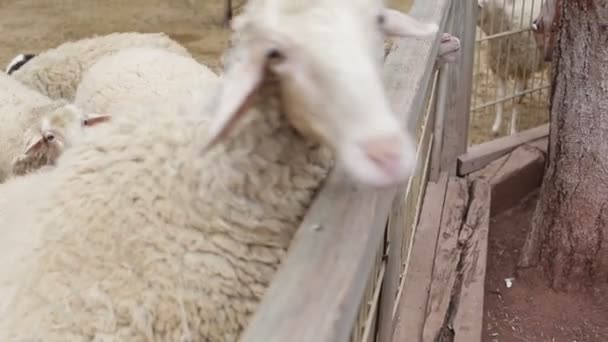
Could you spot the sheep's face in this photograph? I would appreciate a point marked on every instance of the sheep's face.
(59, 128)
(327, 56)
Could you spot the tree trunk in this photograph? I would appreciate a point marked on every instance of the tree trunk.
(569, 233)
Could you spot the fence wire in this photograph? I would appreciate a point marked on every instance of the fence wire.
(505, 49)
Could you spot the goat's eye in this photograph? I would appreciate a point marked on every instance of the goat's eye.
(380, 19)
(274, 55)
(50, 137)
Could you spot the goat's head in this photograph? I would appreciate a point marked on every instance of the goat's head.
(544, 28)
(60, 126)
(327, 56)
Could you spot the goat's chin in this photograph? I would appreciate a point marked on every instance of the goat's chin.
(364, 171)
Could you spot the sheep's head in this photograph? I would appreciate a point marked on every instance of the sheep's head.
(544, 28)
(327, 56)
(61, 125)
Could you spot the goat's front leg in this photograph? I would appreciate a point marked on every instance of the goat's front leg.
(519, 87)
(501, 85)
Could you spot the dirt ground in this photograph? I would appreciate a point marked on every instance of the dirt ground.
(529, 311)
(32, 26)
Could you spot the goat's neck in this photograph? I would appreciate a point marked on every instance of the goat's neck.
(265, 170)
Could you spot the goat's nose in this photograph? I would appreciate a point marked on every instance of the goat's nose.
(385, 152)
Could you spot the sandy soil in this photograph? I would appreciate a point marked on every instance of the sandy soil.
(529, 311)
(32, 26)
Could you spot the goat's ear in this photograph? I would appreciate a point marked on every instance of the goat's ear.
(93, 119)
(238, 89)
(35, 144)
(400, 24)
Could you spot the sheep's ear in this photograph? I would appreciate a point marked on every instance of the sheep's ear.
(400, 24)
(239, 85)
(93, 119)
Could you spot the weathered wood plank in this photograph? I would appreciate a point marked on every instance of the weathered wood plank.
(417, 185)
(446, 258)
(412, 305)
(413, 214)
(396, 227)
(479, 156)
(417, 194)
(540, 144)
(371, 322)
(513, 176)
(316, 293)
(409, 66)
(468, 319)
(441, 99)
(460, 83)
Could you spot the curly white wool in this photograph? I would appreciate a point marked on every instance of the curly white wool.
(57, 72)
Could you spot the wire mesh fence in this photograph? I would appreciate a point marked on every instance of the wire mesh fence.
(511, 81)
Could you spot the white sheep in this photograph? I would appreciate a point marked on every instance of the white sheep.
(57, 72)
(142, 75)
(34, 130)
(513, 56)
(163, 230)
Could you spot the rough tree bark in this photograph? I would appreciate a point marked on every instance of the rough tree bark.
(569, 235)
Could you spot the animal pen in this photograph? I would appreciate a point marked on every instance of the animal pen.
(372, 265)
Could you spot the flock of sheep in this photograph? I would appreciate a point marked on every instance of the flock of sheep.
(145, 198)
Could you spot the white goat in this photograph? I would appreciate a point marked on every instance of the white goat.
(161, 230)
